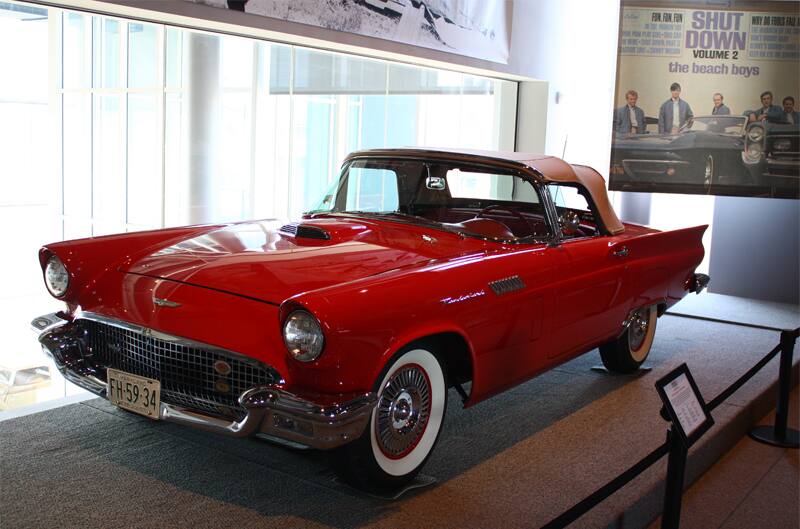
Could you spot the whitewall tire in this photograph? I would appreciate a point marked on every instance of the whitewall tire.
(404, 426)
(630, 350)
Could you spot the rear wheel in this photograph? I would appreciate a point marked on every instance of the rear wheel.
(630, 350)
(403, 428)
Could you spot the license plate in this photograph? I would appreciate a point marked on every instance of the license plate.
(132, 392)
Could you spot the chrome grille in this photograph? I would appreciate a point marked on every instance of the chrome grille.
(186, 372)
(791, 143)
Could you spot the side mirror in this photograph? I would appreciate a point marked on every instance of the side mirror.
(570, 222)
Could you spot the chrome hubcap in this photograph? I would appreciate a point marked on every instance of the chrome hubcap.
(637, 331)
(403, 411)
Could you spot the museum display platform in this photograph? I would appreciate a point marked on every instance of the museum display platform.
(517, 460)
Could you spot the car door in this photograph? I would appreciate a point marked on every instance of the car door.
(589, 278)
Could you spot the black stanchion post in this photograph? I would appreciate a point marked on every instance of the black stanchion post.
(673, 492)
(781, 435)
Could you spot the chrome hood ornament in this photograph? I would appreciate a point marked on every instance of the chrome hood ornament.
(161, 302)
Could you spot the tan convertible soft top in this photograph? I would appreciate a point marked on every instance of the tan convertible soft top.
(545, 168)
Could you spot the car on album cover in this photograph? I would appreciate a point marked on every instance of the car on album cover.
(420, 271)
(705, 156)
(772, 155)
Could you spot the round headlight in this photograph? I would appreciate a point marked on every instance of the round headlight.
(303, 336)
(56, 277)
(755, 133)
(754, 150)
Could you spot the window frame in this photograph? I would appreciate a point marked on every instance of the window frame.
(601, 229)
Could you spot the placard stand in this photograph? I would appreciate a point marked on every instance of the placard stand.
(685, 408)
(780, 434)
(673, 490)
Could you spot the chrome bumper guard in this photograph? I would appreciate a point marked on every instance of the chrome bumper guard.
(271, 410)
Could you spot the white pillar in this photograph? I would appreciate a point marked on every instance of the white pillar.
(201, 114)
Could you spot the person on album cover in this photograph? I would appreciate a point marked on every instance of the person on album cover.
(768, 111)
(790, 115)
(674, 113)
(720, 108)
(629, 119)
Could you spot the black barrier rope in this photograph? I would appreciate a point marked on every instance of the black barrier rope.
(722, 397)
(592, 500)
(588, 503)
(729, 322)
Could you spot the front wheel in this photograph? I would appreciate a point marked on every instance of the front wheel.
(630, 350)
(403, 428)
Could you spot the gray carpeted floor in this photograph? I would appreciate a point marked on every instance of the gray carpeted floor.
(516, 460)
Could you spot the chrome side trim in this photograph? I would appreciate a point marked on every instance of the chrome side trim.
(671, 162)
(271, 410)
(507, 285)
(777, 161)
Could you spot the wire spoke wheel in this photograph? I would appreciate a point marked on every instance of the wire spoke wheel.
(403, 411)
(404, 424)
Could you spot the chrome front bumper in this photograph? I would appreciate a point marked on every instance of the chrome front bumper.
(271, 410)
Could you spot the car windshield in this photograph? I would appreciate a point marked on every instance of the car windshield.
(472, 199)
(719, 124)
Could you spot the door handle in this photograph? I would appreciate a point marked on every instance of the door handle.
(621, 252)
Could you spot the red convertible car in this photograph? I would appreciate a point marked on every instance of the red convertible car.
(419, 271)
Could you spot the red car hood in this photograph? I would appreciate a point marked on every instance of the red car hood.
(260, 260)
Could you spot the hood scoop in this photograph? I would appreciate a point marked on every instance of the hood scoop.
(305, 232)
(321, 232)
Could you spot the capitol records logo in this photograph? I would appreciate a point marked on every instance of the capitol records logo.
(222, 367)
(161, 302)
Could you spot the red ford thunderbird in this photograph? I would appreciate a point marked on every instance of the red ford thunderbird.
(419, 271)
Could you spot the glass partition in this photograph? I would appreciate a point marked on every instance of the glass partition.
(97, 137)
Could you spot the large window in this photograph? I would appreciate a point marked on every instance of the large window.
(109, 125)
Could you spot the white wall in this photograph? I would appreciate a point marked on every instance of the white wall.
(572, 44)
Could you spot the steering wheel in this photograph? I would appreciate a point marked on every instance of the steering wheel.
(514, 212)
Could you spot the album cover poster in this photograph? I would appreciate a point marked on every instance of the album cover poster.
(707, 99)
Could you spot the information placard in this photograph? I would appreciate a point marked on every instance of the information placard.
(684, 404)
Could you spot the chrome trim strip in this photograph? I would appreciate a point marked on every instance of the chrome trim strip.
(671, 162)
(774, 161)
(552, 215)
